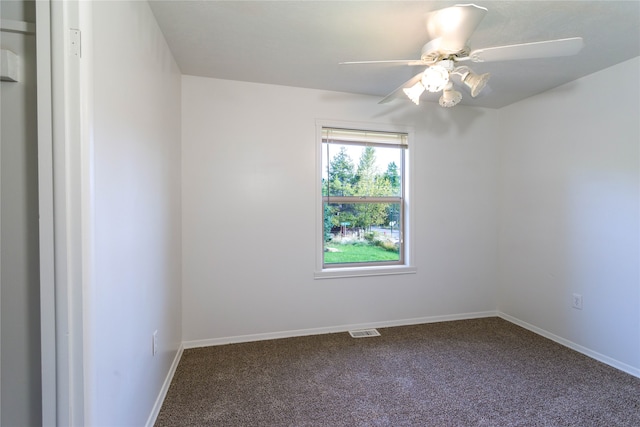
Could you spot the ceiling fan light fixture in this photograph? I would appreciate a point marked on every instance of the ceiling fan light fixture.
(414, 92)
(475, 82)
(435, 78)
(450, 98)
(449, 31)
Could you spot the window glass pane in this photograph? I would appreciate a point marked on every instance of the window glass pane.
(356, 170)
(363, 198)
(362, 233)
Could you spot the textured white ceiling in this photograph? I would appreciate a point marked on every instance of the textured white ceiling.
(300, 43)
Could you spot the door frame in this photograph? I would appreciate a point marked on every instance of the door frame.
(64, 184)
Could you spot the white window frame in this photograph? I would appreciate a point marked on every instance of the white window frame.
(407, 267)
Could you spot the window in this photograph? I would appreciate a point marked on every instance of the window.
(363, 210)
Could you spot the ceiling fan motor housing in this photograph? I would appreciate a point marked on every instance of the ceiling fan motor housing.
(432, 52)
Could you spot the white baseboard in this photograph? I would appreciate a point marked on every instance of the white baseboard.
(580, 349)
(334, 329)
(385, 324)
(165, 388)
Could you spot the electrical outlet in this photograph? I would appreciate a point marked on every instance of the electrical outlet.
(577, 301)
(155, 342)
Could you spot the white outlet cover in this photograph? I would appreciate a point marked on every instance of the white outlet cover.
(577, 301)
(155, 342)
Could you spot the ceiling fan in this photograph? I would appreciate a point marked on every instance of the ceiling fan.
(449, 30)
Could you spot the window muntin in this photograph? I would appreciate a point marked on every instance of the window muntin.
(363, 198)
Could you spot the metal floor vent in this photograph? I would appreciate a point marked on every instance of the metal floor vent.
(363, 333)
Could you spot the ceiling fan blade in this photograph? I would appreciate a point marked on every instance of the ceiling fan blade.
(412, 81)
(545, 49)
(391, 61)
(454, 25)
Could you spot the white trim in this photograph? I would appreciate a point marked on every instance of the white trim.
(63, 394)
(68, 172)
(570, 344)
(335, 329)
(336, 273)
(20, 27)
(415, 321)
(153, 416)
(85, 193)
(46, 213)
(409, 234)
(386, 324)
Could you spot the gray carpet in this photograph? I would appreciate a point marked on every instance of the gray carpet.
(483, 372)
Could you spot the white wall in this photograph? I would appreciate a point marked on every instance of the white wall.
(249, 214)
(137, 248)
(570, 212)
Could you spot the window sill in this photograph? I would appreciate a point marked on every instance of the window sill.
(336, 273)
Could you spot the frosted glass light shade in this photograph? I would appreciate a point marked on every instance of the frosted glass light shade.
(476, 82)
(414, 92)
(450, 98)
